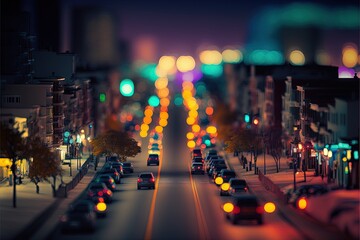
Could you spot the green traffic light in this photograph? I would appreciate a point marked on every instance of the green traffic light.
(102, 97)
(247, 118)
(127, 87)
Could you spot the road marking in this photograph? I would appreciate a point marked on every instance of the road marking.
(204, 234)
(150, 221)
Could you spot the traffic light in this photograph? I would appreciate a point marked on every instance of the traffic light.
(256, 121)
(247, 117)
(102, 97)
(127, 87)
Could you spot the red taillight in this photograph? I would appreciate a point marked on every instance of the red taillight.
(236, 210)
(108, 192)
(100, 193)
(259, 210)
(139, 180)
(152, 180)
(245, 189)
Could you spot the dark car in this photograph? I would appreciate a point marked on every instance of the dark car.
(198, 160)
(244, 207)
(237, 186)
(307, 191)
(107, 179)
(215, 170)
(119, 167)
(197, 168)
(226, 174)
(113, 159)
(80, 216)
(113, 173)
(128, 167)
(146, 179)
(153, 159)
(196, 153)
(99, 189)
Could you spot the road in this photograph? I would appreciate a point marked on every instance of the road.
(183, 206)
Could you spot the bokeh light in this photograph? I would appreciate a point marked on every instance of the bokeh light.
(185, 63)
(296, 57)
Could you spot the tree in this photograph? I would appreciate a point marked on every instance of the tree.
(115, 142)
(45, 164)
(274, 144)
(12, 146)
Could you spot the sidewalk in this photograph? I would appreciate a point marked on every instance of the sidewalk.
(275, 184)
(37, 210)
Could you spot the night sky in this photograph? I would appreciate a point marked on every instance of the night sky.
(183, 27)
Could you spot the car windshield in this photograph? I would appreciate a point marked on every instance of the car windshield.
(238, 182)
(146, 175)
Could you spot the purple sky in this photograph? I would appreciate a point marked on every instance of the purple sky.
(181, 27)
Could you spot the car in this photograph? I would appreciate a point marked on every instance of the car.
(80, 215)
(119, 166)
(128, 167)
(214, 162)
(153, 159)
(215, 170)
(107, 179)
(307, 191)
(244, 207)
(112, 159)
(100, 206)
(146, 179)
(113, 172)
(226, 174)
(196, 153)
(99, 189)
(197, 167)
(237, 186)
(198, 159)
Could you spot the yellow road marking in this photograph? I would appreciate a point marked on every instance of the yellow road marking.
(204, 234)
(150, 221)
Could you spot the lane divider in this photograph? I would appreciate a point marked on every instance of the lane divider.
(149, 226)
(203, 229)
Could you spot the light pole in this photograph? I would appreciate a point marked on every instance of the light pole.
(295, 150)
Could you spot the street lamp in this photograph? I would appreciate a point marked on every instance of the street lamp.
(295, 150)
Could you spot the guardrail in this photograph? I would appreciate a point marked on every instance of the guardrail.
(65, 188)
(272, 187)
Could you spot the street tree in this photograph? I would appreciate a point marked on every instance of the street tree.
(115, 142)
(12, 146)
(274, 145)
(45, 166)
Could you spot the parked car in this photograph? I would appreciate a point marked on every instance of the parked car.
(107, 179)
(153, 159)
(128, 167)
(244, 207)
(146, 179)
(197, 168)
(81, 216)
(307, 191)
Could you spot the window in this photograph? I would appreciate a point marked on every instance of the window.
(11, 99)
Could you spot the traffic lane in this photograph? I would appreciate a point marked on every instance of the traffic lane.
(127, 215)
(175, 211)
(274, 226)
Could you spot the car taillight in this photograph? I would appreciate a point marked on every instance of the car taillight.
(139, 180)
(108, 192)
(152, 180)
(111, 180)
(236, 210)
(259, 210)
(245, 189)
